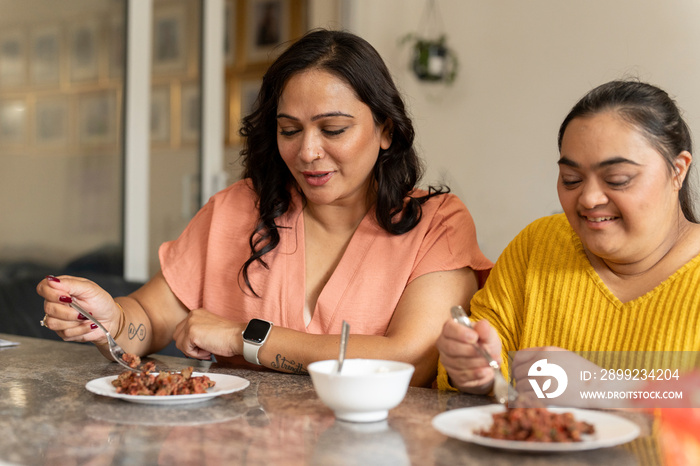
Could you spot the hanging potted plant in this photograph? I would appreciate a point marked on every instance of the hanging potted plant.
(431, 58)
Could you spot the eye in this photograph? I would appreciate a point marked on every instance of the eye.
(618, 181)
(569, 181)
(288, 131)
(334, 131)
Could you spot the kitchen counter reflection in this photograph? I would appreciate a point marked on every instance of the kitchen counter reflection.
(47, 417)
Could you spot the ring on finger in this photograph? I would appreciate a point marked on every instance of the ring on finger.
(42, 322)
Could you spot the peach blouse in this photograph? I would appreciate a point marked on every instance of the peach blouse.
(202, 267)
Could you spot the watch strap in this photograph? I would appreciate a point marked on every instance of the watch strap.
(250, 352)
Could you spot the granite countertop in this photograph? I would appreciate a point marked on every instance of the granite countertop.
(48, 417)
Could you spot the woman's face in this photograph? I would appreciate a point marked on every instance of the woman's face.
(328, 139)
(616, 190)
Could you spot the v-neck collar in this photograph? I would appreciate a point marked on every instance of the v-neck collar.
(612, 297)
(326, 310)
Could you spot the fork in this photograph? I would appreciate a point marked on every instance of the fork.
(502, 390)
(114, 349)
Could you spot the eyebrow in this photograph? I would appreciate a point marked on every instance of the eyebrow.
(605, 163)
(316, 117)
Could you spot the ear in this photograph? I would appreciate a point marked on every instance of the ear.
(681, 165)
(387, 135)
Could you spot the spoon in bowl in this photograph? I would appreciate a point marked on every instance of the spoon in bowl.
(343, 343)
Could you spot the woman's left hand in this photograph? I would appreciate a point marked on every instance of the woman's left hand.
(202, 334)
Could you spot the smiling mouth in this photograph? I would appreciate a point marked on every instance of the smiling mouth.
(598, 219)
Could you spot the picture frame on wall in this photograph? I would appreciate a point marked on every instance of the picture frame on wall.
(169, 38)
(51, 121)
(263, 29)
(267, 27)
(13, 122)
(190, 113)
(45, 53)
(249, 92)
(97, 118)
(83, 49)
(242, 96)
(13, 58)
(116, 45)
(160, 114)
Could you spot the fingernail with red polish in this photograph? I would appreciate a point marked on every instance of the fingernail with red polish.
(65, 299)
(93, 326)
(81, 317)
(51, 278)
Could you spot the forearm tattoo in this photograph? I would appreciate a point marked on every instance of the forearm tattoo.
(283, 364)
(137, 332)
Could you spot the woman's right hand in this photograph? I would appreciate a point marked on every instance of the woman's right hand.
(467, 368)
(66, 321)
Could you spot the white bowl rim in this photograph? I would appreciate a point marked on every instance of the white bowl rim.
(402, 367)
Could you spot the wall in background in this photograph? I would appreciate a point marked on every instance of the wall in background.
(492, 135)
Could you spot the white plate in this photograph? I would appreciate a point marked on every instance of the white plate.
(610, 430)
(224, 384)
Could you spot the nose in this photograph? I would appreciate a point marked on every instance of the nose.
(311, 148)
(592, 195)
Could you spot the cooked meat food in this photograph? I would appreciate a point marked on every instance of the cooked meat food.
(536, 425)
(162, 384)
(131, 360)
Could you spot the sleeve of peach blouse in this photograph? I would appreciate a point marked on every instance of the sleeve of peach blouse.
(222, 224)
(183, 269)
(450, 241)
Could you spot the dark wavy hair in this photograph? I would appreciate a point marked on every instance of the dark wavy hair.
(397, 170)
(653, 112)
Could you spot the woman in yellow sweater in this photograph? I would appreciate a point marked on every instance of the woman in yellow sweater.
(619, 270)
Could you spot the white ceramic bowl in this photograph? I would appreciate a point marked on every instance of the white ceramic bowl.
(365, 390)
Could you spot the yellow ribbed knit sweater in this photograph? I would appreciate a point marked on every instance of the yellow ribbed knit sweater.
(543, 291)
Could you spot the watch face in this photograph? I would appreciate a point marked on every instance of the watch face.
(256, 331)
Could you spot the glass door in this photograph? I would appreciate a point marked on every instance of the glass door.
(61, 104)
(118, 120)
(98, 166)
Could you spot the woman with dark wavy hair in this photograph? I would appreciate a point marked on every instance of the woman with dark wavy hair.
(327, 225)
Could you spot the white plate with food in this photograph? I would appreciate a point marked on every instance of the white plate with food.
(466, 423)
(224, 384)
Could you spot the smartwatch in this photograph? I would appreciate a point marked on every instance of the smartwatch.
(254, 337)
